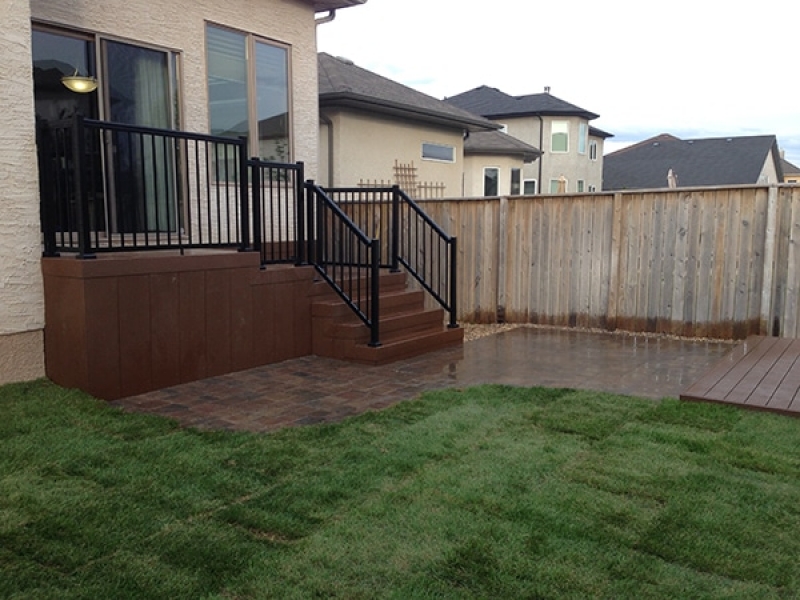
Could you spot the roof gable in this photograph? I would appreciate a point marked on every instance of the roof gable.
(342, 83)
(697, 162)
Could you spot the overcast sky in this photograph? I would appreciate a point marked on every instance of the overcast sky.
(692, 68)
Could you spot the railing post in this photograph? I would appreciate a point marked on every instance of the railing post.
(395, 264)
(315, 220)
(78, 146)
(375, 293)
(258, 240)
(244, 214)
(453, 283)
(301, 251)
(46, 197)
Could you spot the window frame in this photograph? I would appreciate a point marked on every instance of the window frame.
(553, 133)
(496, 181)
(535, 183)
(515, 188)
(593, 150)
(583, 137)
(450, 147)
(251, 43)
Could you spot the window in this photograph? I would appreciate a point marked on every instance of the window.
(516, 176)
(583, 129)
(529, 187)
(580, 186)
(491, 180)
(438, 152)
(592, 150)
(248, 91)
(592, 189)
(559, 136)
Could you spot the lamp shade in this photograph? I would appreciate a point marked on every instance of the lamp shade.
(79, 83)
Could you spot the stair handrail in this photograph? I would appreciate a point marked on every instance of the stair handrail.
(341, 253)
(439, 281)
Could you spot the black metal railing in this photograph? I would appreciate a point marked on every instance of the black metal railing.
(347, 258)
(409, 237)
(110, 187)
(280, 231)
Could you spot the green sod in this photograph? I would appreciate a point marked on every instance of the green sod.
(489, 492)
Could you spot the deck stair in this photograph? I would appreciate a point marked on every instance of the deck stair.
(407, 327)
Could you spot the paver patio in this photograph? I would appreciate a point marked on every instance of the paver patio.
(313, 390)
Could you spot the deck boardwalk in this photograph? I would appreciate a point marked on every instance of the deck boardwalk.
(761, 373)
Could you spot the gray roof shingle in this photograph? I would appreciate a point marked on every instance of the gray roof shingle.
(494, 104)
(697, 162)
(342, 83)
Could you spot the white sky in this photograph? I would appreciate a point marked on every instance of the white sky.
(692, 68)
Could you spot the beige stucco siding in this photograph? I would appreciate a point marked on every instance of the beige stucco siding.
(21, 295)
(365, 147)
(474, 169)
(180, 26)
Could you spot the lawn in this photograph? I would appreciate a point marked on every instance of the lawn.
(488, 492)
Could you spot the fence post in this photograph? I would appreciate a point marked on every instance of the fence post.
(375, 293)
(768, 291)
(315, 223)
(502, 259)
(453, 283)
(614, 275)
(244, 211)
(301, 251)
(395, 259)
(82, 201)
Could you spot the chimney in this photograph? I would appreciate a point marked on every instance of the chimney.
(547, 89)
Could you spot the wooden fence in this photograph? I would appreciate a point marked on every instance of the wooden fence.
(709, 262)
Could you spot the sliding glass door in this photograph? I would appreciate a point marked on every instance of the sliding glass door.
(138, 91)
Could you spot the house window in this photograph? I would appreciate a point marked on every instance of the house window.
(440, 152)
(583, 130)
(592, 189)
(516, 178)
(491, 181)
(248, 91)
(559, 136)
(529, 187)
(592, 150)
(580, 185)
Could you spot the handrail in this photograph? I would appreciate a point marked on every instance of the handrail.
(439, 280)
(347, 258)
(409, 236)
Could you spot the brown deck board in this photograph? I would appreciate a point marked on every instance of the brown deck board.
(761, 373)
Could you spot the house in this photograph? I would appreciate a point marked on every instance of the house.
(221, 68)
(374, 130)
(572, 150)
(791, 173)
(695, 162)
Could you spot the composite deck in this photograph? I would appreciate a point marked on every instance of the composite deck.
(762, 373)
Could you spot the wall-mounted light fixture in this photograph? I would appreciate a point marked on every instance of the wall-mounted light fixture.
(82, 84)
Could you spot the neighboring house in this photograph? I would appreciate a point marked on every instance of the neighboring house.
(376, 131)
(696, 162)
(572, 150)
(791, 173)
(230, 68)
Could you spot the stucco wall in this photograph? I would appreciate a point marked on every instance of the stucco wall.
(366, 147)
(180, 25)
(21, 296)
(572, 165)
